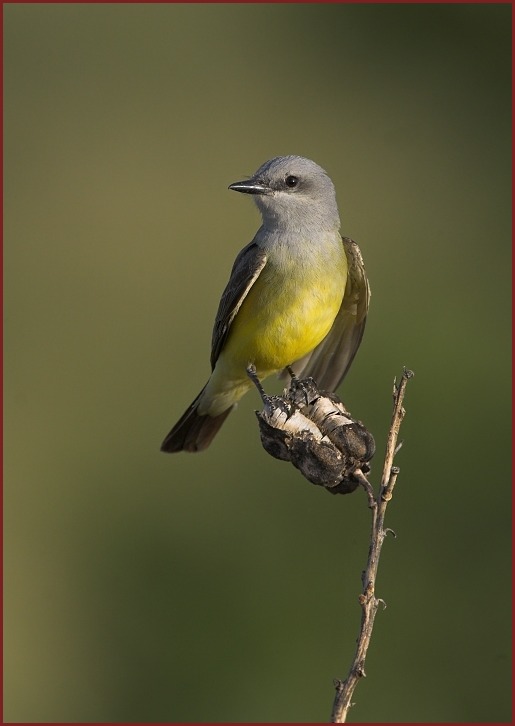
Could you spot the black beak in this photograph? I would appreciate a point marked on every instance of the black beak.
(251, 186)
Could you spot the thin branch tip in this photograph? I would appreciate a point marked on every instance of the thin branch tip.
(398, 448)
(368, 602)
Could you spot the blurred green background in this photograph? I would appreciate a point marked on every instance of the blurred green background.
(223, 586)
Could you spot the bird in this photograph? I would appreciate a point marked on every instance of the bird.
(296, 301)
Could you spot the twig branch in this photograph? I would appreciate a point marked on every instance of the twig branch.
(368, 601)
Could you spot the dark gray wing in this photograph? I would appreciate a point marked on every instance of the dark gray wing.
(245, 271)
(331, 359)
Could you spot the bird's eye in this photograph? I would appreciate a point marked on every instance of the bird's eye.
(291, 181)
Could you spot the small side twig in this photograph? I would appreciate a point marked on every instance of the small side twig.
(368, 601)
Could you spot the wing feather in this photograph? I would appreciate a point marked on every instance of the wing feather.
(331, 359)
(245, 271)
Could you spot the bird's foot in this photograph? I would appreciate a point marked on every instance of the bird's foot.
(252, 374)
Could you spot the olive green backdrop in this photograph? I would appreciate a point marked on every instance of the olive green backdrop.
(223, 586)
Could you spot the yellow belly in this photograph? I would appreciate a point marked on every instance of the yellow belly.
(280, 321)
(288, 311)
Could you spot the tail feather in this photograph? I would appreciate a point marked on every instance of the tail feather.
(193, 432)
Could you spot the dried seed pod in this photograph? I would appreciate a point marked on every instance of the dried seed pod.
(314, 431)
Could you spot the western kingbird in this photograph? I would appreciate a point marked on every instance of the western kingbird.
(297, 296)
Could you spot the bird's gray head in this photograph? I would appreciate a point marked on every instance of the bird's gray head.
(292, 193)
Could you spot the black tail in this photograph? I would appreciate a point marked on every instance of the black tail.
(193, 432)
